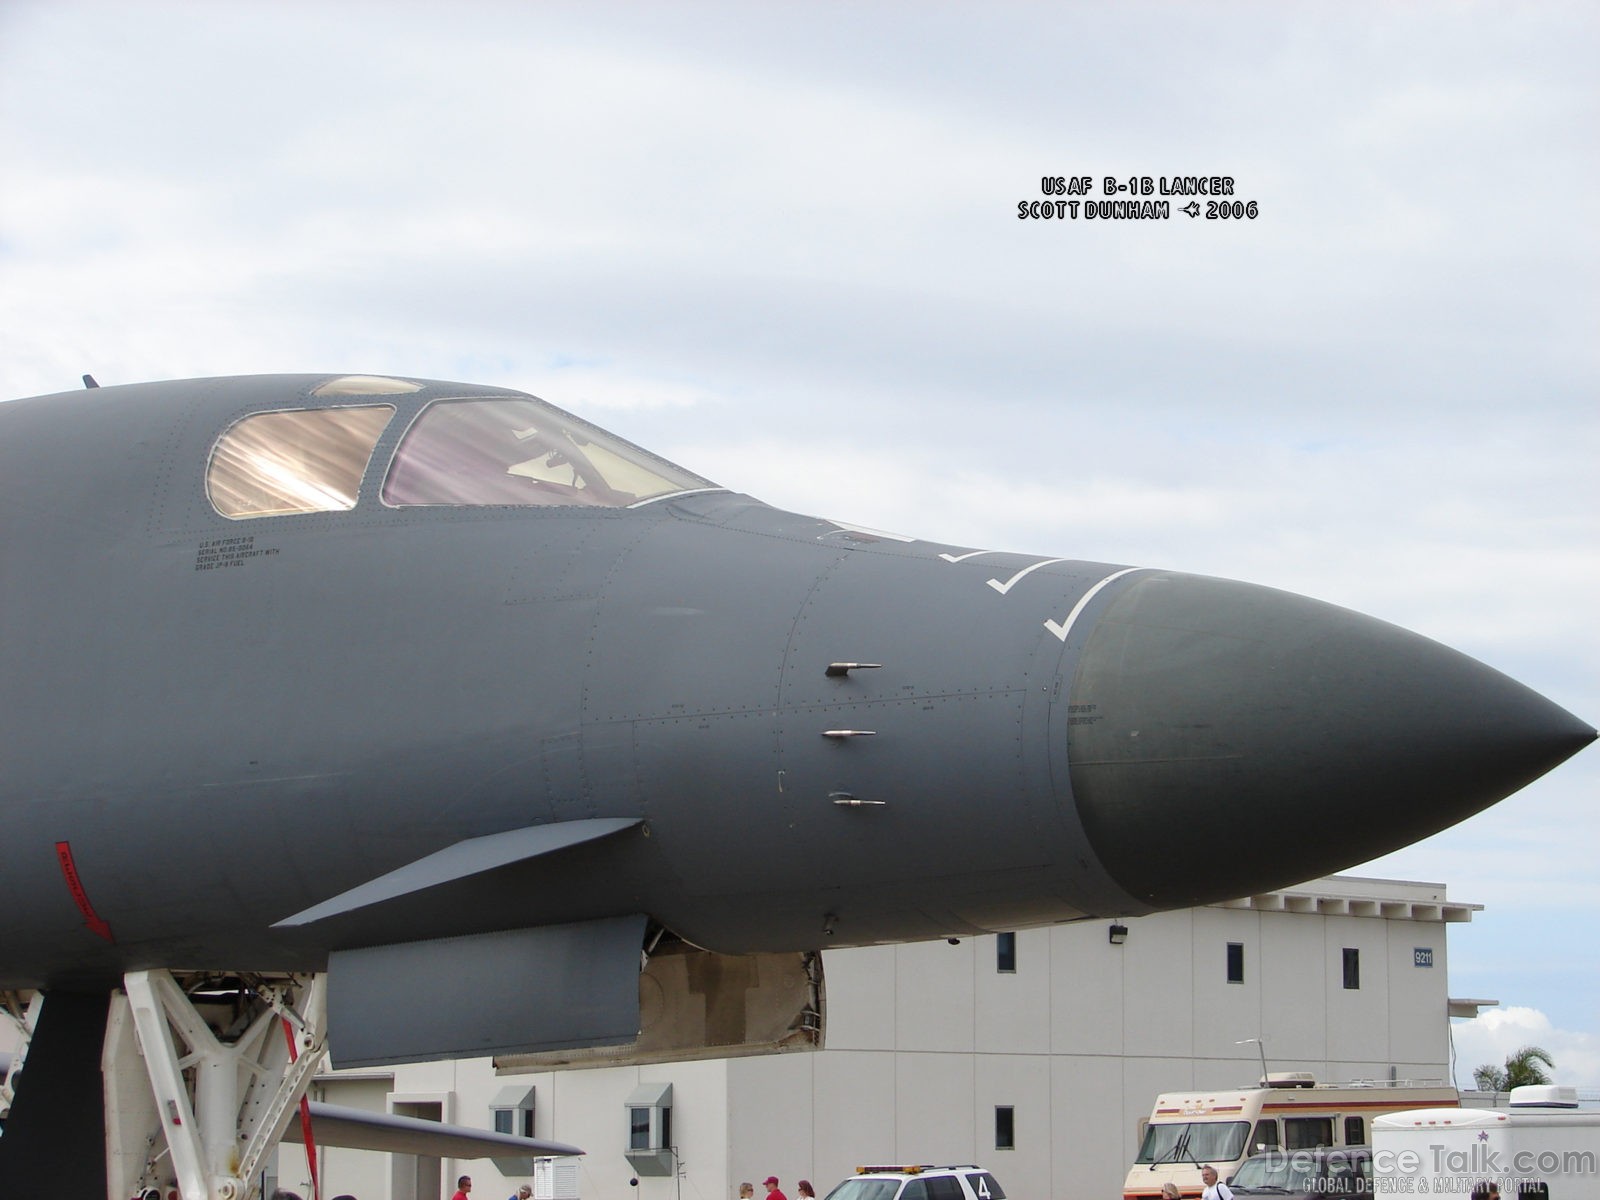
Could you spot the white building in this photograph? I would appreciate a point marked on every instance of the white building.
(1033, 1054)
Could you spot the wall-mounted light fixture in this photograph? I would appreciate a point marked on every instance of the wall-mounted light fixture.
(1119, 934)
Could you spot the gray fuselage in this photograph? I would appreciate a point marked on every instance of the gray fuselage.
(226, 722)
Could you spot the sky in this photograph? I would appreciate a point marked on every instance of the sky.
(780, 244)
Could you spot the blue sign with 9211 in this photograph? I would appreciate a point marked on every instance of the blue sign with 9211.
(1422, 956)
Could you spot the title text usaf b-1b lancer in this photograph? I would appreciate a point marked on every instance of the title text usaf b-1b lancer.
(415, 719)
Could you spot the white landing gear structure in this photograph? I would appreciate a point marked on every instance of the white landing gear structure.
(25, 1017)
(202, 1078)
(198, 1076)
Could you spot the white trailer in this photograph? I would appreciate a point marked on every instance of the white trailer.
(1542, 1146)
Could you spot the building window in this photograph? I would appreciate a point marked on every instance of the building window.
(639, 1129)
(1005, 1130)
(512, 1109)
(1235, 962)
(649, 1110)
(1352, 969)
(649, 1128)
(1005, 953)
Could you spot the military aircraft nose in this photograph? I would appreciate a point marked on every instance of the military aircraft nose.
(1240, 739)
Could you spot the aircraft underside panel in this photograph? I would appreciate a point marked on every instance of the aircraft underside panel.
(510, 992)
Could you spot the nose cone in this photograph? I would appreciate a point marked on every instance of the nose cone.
(1243, 739)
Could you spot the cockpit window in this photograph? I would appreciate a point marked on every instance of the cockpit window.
(299, 461)
(522, 451)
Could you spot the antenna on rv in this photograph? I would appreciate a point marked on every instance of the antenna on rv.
(1261, 1046)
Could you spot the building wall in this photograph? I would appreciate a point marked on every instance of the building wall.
(926, 1040)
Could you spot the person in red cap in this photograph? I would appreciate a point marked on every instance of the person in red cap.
(771, 1184)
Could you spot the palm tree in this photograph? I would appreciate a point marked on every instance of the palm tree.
(1521, 1068)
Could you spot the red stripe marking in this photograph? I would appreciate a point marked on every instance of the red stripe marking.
(305, 1118)
(80, 897)
(1327, 1108)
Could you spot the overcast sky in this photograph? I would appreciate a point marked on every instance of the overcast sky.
(780, 245)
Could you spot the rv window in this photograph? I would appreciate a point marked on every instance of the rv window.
(1266, 1137)
(1307, 1133)
(1355, 1131)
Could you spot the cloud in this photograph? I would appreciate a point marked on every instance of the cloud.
(1497, 1033)
(784, 253)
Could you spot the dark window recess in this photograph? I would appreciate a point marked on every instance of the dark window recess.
(1005, 1128)
(1005, 953)
(638, 1129)
(1352, 969)
(516, 1121)
(1235, 962)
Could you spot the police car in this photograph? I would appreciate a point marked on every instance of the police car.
(919, 1183)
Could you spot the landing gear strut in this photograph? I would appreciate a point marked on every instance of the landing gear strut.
(201, 1082)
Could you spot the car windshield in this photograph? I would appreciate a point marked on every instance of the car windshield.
(1330, 1172)
(1196, 1142)
(1286, 1172)
(865, 1189)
